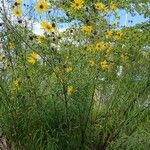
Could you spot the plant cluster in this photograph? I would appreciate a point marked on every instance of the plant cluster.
(84, 88)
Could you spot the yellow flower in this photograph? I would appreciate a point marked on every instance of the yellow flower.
(100, 45)
(98, 6)
(91, 48)
(118, 35)
(43, 25)
(117, 17)
(124, 57)
(101, 7)
(69, 69)
(17, 12)
(70, 90)
(114, 23)
(47, 27)
(41, 6)
(87, 29)
(16, 83)
(113, 7)
(92, 63)
(104, 64)
(109, 49)
(109, 34)
(18, 2)
(40, 38)
(34, 55)
(33, 58)
(11, 45)
(77, 4)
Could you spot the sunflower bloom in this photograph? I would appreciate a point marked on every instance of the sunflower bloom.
(104, 64)
(69, 69)
(92, 63)
(118, 35)
(11, 45)
(114, 23)
(101, 7)
(17, 12)
(87, 29)
(47, 27)
(43, 25)
(40, 38)
(113, 7)
(124, 57)
(77, 4)
(90, 48)
(32, 59)
(41, 6)
(70, 90)
(18, 2)
(109, 49)
(100, 45)
(16, 84)
(34, 55)
(109, 34)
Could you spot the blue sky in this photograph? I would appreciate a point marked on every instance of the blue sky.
(135, 19)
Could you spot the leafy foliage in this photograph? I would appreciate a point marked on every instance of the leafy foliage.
(84, 88)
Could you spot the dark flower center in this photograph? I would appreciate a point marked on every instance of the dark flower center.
(19, 21)
(77, 4)
(17, 4)
(97, 7)
(53, 25)
(48, 27)
(41, 6)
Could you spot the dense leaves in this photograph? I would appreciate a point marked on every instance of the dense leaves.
(86, 87)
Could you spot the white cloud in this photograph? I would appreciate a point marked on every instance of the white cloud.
(37, 29)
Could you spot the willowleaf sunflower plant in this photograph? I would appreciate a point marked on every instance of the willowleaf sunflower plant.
(73, 77)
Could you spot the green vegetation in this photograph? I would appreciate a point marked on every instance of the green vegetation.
(86, 88)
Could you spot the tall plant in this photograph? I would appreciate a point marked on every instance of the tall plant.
(86, 87)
